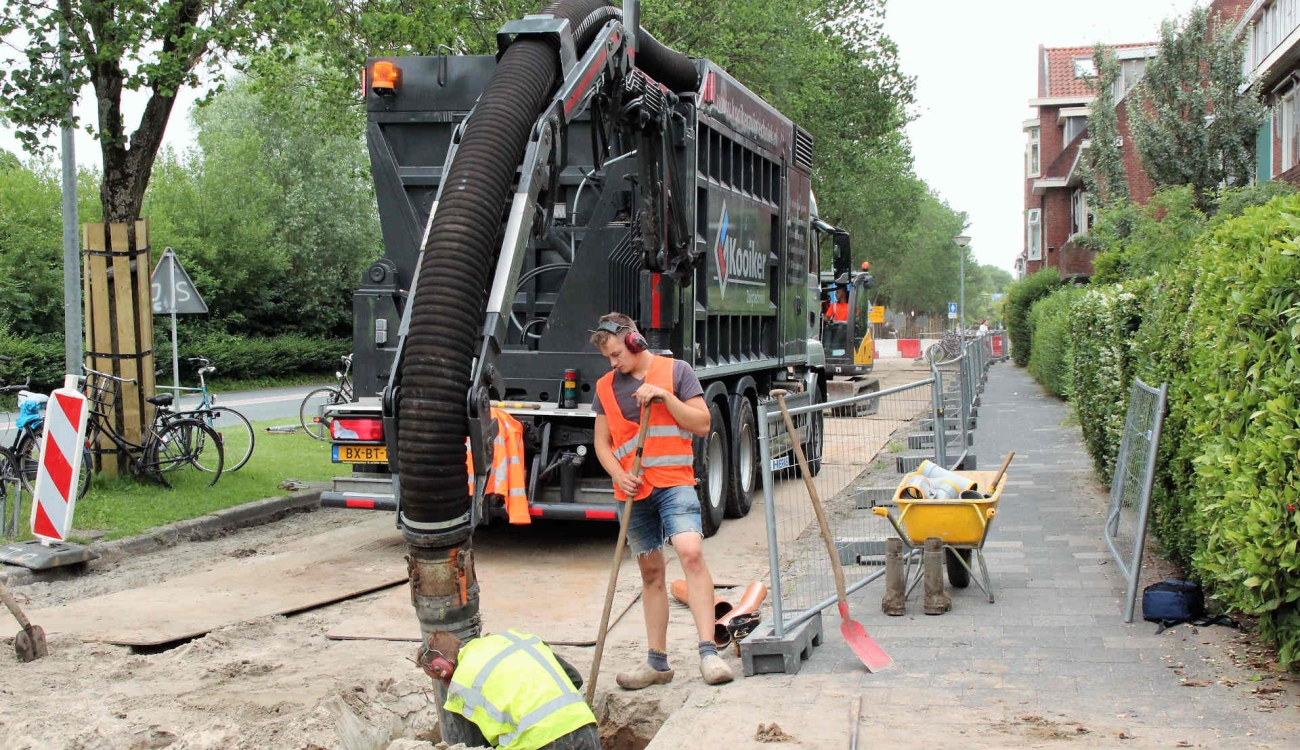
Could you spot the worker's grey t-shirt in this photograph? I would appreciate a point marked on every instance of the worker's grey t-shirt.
(685, 387)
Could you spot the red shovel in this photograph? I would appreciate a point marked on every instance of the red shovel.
(872, 655)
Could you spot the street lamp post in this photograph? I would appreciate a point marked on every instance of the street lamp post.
(962, 241)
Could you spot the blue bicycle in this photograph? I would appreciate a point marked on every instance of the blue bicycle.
(235, 431)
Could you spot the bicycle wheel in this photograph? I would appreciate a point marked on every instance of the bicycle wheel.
(236, 434)
(184, 444)
(10, 492)
(28, 454)
(313, 407)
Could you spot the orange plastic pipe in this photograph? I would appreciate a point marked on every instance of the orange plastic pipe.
(721, 608)
(753, 598)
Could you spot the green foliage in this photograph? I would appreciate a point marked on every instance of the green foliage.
(1190, 124)
(1020, 300)
(1102, 324)
(1051, 359)
(1107, 179)
(116, 46)
(1243, 433)
(40, 358)
(1138, 241)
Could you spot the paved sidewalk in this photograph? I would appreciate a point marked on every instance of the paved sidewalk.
(1050, 663)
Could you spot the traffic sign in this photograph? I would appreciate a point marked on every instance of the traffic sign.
(58, 473)
(173, 291)
(952, 311)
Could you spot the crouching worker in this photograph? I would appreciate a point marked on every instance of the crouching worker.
(513, 689)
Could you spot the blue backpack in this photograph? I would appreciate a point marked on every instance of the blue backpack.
(1172, 602)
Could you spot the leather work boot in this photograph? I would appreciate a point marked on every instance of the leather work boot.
(894, 603)
(715, 671)
(643, 676)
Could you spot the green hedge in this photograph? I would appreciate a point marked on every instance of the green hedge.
(1102, 323)
(235, 357)
(1051, 358)
(1021, 297)
(1241, 402)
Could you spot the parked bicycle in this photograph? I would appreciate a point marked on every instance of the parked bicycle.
(174, 441)
(234, 429)
(10, 491)
(28, 431)
(311, 413)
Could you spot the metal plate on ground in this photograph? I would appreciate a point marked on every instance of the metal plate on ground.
(551, 584)
(308, 573)
(36, 556)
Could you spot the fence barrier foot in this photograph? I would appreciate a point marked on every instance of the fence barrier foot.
(763, 653)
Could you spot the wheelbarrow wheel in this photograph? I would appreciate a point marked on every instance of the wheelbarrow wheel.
(958, 575)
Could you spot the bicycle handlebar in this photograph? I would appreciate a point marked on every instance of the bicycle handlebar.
(106, 375)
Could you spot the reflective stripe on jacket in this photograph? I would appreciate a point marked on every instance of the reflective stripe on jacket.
(515, 691)
(506, 478)
(669, 457)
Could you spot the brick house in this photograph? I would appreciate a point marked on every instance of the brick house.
(1056, 203)
(1272, 65)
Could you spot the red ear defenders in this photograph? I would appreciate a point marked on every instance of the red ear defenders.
(634, 341)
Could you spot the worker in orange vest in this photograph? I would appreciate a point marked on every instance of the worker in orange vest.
(839, 309)
(666, 508)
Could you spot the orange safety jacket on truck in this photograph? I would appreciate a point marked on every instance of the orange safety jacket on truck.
(506, 477)
(668, 459)
(838, 311)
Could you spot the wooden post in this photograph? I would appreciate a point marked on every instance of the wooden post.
(119, 326)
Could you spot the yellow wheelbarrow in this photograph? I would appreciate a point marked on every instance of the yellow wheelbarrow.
(962, 523)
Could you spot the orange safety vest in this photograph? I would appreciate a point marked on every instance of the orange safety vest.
(838, 311)
(507, 475)
(668, 459)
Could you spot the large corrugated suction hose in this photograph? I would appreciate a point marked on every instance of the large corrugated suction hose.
(447, 311)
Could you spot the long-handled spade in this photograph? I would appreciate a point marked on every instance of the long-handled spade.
(30, 641)
(618, 559)
(871, 654)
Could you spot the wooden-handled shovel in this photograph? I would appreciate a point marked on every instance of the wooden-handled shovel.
(871, 654)
(30, 641)
(618, 559)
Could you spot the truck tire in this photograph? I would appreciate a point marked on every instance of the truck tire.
(745, 478)
(812, 449)
(712, 473)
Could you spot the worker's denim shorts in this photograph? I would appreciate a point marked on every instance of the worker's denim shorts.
(668, 511)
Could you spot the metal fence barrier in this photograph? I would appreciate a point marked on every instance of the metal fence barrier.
(867, 441)
(854, 449)
(1130, 490)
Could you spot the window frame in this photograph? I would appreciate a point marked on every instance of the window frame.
(1034, 233)
(1033, 152)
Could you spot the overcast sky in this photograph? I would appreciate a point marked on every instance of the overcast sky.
(975, 67)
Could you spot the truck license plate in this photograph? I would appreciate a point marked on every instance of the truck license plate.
(361, 454)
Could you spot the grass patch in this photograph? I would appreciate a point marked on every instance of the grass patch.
(122, 506)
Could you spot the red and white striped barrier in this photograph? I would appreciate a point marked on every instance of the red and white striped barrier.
(60, 465)
(909, 348)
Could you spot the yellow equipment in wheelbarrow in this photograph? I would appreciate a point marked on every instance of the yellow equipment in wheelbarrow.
(962, 523)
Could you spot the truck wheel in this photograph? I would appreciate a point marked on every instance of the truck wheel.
(712, 457)
(812, 449)
(744, 460)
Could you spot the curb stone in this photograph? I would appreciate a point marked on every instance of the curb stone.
(210, 526)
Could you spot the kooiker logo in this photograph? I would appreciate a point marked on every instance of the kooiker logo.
(743, 265)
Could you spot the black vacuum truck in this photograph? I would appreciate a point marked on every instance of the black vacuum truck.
(584, 169)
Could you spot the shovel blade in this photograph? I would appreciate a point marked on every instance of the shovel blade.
(873, 657)
(29, 644)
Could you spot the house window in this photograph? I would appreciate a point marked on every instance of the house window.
(1085, 67)
(1034, 235)
(1130, 72)
(1073, 127)
(1032, 154)
(1289, 133)
(1080, 216)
